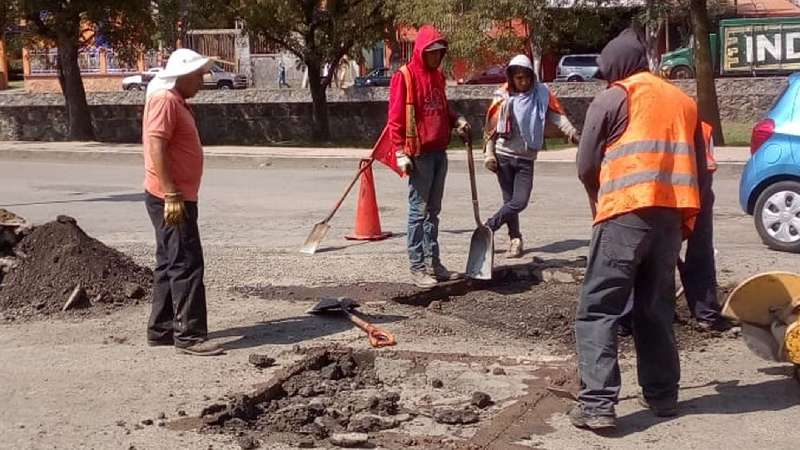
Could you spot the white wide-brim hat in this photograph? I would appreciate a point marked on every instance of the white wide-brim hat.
(184, 62)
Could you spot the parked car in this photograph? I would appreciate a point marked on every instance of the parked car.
(219, 78)
(769, 188)
(577, 68)
(139, 82)
(381, 76)
(492, 75)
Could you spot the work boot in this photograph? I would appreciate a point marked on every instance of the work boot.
(581, 419)
(720, 325)
(515, 248)
(660, 407)
(441, 273)
(160, 342)
(201, 348)
(422, 280)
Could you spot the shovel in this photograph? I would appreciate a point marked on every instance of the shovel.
(377, 337)
(321, 229)
(481, 247)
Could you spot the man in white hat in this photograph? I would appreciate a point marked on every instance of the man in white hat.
(173, 159)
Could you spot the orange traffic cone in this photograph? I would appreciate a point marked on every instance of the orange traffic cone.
(368, 220)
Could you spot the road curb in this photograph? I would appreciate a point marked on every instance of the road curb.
(251, 161)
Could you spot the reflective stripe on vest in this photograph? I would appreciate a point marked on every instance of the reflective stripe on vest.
(708, 138)
(411, 144)
(653, 163)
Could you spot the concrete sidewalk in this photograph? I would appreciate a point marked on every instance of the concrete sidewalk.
(269, 156)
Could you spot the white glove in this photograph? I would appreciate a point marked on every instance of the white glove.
(462, 127)
(489, 157)
(404, 162)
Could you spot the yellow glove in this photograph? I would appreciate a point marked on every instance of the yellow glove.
(174, 210)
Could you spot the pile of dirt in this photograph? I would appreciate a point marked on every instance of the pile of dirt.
(57, 261)
(331, 394)
(546, 312)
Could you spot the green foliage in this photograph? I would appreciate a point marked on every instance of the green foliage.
(193, 15)
(124, 24)
(317, 32)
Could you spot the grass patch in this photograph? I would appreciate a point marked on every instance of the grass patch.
(737, 134)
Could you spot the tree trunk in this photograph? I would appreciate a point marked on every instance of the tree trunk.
(704, 69)
(652, 33)
(321, 129)
(79, 120)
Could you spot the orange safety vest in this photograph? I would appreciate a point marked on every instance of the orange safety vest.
(708, 138)
(411, 145)
(653, 163)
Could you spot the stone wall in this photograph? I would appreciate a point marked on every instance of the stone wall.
(263, 117)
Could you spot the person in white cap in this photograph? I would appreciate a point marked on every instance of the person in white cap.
(514, 134)
(173, 160)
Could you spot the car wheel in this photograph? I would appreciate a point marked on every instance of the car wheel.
(681, 73)
(575, 79)
(136, 87)
(777, 216)
(225, 86)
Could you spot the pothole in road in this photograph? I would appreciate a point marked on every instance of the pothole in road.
(339, 396)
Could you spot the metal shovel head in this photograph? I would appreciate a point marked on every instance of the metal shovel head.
(315, 238)
(333, 305)
(481, 254)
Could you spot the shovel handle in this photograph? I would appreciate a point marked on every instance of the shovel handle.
(377, 337)
(364, 165)
(473, 187)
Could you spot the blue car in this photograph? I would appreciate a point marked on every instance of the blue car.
(769, 189)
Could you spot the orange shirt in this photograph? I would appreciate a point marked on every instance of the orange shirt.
(167, 116)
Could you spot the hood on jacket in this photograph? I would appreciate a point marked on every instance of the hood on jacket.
(519, 61)
(624, 56)
(426, 36)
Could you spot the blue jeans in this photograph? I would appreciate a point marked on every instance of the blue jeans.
(425, 192)
(515, 176)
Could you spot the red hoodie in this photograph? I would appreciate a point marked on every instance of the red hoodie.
(434, 119)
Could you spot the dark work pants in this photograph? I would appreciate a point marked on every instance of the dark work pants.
(515, 176)
(633, 253)
(699, 271)
(179, 295)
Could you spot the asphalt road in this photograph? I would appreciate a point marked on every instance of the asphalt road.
(66, 384)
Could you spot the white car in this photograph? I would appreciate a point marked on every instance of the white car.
(139, 82)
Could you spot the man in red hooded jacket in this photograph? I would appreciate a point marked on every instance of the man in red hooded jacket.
(419, 125)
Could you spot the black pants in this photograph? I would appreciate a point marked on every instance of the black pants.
(515, 176)
(698, 272)
(179, 295)
(634, 253)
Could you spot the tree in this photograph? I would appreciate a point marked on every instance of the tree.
(706, 87)
(191, 15)
(72, 25)
(320, 33)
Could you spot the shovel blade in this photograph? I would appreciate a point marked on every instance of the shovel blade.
(318, 233)
(481, 254)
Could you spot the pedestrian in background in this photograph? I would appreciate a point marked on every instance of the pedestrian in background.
(514, 134)
(282, 75)
(173, 160)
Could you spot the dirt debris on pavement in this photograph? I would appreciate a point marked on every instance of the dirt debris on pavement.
(58, 259)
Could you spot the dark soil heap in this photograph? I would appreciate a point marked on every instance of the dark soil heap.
(59, 256)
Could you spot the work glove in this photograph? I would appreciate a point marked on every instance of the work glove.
(174, 209)
(575, 139)
(404, 162)
(462, 128)
(489, 157)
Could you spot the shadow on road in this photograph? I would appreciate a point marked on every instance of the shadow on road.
(561, 246)
(292, 330)
(130, 197)
(730, 398)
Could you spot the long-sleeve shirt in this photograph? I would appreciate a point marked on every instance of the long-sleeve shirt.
(606, 121)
